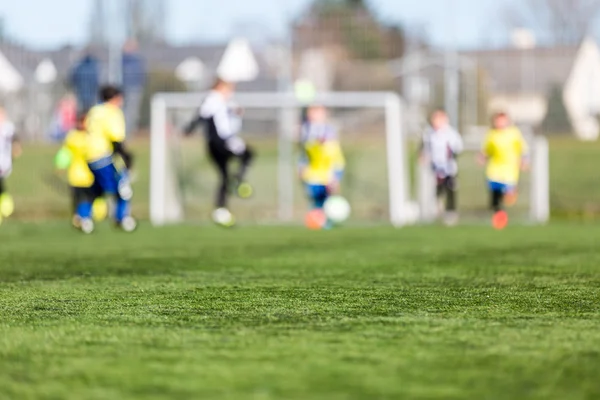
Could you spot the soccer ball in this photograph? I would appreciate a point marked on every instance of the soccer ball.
(223, 217)
(100, 209)
(337, 209)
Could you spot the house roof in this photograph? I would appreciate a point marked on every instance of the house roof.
(534, 70)
(157, 57)
(22, 59)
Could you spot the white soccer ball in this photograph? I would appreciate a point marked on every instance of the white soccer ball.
(223, 217)
(337, 209)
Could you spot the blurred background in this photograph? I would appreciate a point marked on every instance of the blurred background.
(537, 59)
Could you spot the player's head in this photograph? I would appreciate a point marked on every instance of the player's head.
(130, 46)
(112, 95)
(224, 87)
(439, 119)
(316, 113)
(80, 123)
(500, 120)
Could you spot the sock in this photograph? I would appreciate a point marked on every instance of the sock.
(84, 210)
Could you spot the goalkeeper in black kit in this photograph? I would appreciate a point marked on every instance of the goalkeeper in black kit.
(222, 125)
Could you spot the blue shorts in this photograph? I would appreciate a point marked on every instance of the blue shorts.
(318, 194)
(106, 176)
(500, 187)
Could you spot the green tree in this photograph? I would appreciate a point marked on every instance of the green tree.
(158, 81)
(557, 118)
(352, 25)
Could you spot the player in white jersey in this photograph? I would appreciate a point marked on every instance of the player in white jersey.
(8, 149)
(440, 147)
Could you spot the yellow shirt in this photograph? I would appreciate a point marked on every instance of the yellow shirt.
(324, 160)
(78, 174)
(504, 150)
(106, 125)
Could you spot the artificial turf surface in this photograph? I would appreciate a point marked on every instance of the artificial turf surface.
(282, 313)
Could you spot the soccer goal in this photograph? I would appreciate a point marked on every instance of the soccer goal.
(533, 204)
(182, 183)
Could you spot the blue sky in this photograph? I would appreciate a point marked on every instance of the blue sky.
(50, 23)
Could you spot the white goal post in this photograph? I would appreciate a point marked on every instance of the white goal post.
(165, 203)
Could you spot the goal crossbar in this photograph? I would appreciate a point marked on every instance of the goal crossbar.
(165, 207)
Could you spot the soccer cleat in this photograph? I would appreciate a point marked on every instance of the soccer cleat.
(500, 220)
(76, 222)
(87, 226)
(129, 224)
(223, 218)
(451, 219)
(245, 190)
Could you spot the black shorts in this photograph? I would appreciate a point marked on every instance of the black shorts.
(2, 188)
(80, 195)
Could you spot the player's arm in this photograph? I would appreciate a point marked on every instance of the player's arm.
(120, 149)
(116, 133)
(191, 127)
(457, 145)
(486, 150)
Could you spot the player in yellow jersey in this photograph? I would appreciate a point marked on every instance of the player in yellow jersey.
(322, 161)
(505, 154)
(106, 128)
(86, 196)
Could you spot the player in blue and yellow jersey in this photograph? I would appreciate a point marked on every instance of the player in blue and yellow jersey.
(322, 161)
(88, 204)
(106, 128)
(505, 154)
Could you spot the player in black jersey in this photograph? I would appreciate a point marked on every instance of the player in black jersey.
(222, 122)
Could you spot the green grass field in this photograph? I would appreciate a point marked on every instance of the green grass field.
(282, 313)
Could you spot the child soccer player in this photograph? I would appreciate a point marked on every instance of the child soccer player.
(505, 152)
(440, 147)
(85, 193)
(9, 148)
(106, 136)
(322, 161)
(222, 126)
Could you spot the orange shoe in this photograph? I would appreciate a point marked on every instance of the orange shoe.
(511, 198)
(500, 220)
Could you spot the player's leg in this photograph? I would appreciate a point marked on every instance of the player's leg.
(317, 195)
(511, 196)
(107, 179)
(440, 190)
(450, 185)
(83, 214)
(244, 189)
(221, 162)
(497, 193)
(220, 159)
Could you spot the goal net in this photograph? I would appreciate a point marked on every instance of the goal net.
(376, 182)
